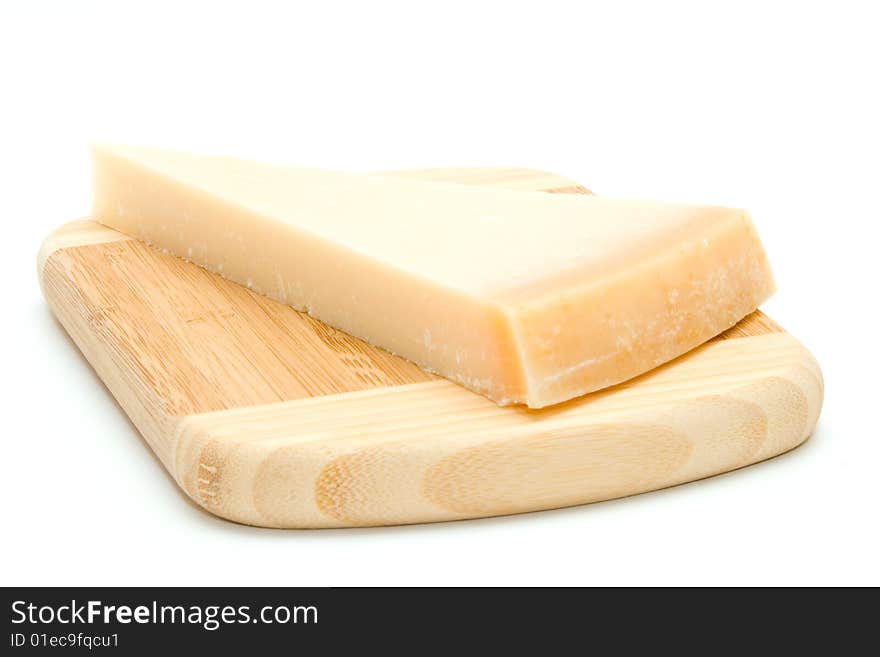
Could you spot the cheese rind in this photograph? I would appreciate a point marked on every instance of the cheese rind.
(522, 296)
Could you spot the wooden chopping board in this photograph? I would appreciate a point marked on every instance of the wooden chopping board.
(268, 417)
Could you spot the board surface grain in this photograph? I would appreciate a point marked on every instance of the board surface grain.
(269, 417)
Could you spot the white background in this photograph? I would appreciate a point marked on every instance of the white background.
(770, 106)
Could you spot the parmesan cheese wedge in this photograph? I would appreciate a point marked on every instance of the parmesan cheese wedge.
(522, 296)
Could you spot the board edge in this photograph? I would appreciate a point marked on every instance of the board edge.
(232, 476)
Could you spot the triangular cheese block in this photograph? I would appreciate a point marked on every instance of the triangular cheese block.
(522, 296)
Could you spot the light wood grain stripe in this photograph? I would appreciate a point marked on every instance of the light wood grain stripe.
(353, 459)
(441, 406)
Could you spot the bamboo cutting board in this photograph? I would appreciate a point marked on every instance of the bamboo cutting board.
(268, 417)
